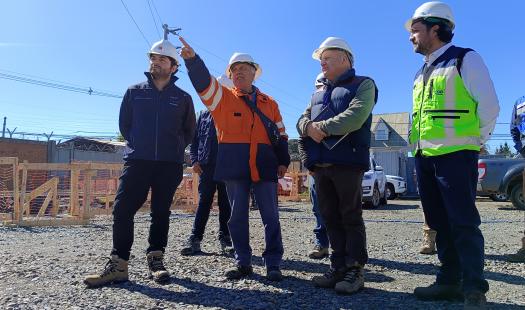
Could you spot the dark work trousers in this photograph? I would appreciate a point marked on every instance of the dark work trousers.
(447, 186)
(207, 189)
(338, 190)
(266, 196)
(137, 178)
(321, 236)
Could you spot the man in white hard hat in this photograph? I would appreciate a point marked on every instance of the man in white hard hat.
(335, 132)
(454, 112)
(253, 151)
(157, 119)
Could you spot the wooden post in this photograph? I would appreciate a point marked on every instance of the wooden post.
(16, 193)
(23, 189)
(73, 197)
(195, 188)
(86, 202)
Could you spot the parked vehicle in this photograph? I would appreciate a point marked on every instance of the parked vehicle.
(374, 186)
(395, 186)
(498, 176)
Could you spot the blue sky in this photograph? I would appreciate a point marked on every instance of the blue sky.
(96, 44)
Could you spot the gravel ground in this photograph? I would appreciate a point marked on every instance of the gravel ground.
(43, 267)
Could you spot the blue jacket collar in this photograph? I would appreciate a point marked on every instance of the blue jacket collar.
(150, 80)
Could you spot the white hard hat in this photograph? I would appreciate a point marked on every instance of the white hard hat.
(165, 48)
(318, 80)
(243, 57)
(434, 9)
(332, 42)
(225, 81)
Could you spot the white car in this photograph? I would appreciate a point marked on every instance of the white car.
(374, 186)
(395, 186)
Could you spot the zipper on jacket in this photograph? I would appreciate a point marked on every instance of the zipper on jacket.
(156, 125)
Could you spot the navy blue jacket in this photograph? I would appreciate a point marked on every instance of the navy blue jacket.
(353, 150)
(203, 149)
(157, 125)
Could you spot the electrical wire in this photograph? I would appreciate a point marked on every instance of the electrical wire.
(135, 22)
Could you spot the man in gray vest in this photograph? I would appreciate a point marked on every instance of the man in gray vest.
(335, 133)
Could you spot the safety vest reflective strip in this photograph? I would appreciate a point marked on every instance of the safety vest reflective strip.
(445, 115)
(212, 95)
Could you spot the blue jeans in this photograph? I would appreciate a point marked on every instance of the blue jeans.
(138, 176)
(447, 186)
(207, 189)
(321, 237)
(266, 196)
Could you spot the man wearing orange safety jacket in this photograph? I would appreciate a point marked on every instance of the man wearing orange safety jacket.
(245, 155)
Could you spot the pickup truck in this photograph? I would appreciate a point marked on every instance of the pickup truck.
(502, 175)
(374, 186)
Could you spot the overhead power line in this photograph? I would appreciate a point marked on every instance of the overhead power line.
(135, 22)
(154, 19)
(56, 85)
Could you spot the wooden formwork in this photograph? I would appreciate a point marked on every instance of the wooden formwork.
(82, 191)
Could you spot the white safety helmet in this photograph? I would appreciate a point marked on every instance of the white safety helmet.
(243, 57)
(330, 43)
(318, 80)
(165, 48)
(434, 9)
(225, 81)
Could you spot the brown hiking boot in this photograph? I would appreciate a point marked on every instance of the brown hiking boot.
(429, 242)
(318, 252)
(475, 300)
(353, 281)
(330, 278)
(115, 271)
(157, 271)
(519, 257)
(439, 292)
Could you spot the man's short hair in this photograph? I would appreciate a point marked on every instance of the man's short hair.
(444, 31)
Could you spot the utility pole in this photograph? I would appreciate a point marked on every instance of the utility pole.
(167, 30)
(3, 130)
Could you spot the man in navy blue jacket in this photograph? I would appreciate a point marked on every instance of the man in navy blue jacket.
(203, 155)
(157, 119)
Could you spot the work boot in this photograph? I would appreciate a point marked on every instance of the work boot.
(318, 252)
(191, 246)
(330, 278)
(226, 244)
(115, 271)
(353, 281)
(519, 257)
(439, 292)
(475, 300)
(238, 272)
(274, 274)
(157, 271)
(429, 242)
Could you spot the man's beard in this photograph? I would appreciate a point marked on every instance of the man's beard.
(159, 74)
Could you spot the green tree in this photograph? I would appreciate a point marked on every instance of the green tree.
(504, 149)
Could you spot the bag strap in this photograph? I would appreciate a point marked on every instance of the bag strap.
(265, 119)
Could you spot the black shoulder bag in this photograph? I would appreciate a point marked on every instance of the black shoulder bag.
(271, 129)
